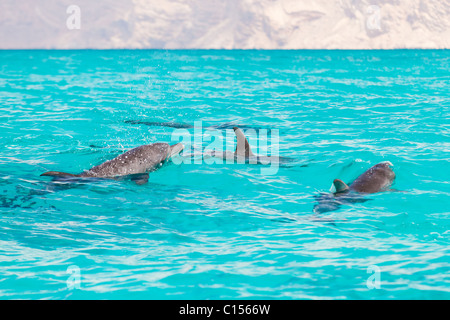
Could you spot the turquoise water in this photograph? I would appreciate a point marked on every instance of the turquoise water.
(224, 231)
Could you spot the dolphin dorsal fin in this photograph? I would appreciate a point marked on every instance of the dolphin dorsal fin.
(242, 148)
(340, 185)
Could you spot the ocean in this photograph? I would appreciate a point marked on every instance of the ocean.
(205, 230)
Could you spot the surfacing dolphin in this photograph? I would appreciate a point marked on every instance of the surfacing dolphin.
(378, 178)
(224, 126)
(244, 154)
(135, 164)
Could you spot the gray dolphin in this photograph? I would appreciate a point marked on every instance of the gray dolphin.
(135, 163)
(224, 126)
(378, 178)
(244, 154)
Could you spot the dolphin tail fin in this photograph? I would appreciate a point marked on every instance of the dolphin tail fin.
(58, 174)
(242, 147)
(340, 185)
(175, 149)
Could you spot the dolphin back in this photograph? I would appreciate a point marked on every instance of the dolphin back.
(58, 174)
(138, 160)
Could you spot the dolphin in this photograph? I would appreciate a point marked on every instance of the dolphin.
(224, 126)
(244, 154)
(378, 178)
(135, 163)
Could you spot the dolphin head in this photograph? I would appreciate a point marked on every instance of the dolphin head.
(378, 178)
(385, 169)
(385, 164)
(175, 149)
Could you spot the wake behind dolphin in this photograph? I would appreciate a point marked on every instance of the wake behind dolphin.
(135, 163)
(378, 178)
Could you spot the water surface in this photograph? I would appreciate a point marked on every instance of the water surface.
(202, 231)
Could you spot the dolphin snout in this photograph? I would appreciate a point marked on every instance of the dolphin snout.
(388, 163)
(175, 149)
(384, 164)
